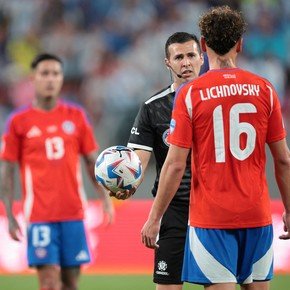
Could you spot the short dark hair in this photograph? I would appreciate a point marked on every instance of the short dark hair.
(44, 56)
(221, 28)
(180, 37)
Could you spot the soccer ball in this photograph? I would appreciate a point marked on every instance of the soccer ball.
(118, 168)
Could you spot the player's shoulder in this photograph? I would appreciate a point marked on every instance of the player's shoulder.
(256, 78)
(160, 96)
(71, 107)
(19, 113)
(233, 73)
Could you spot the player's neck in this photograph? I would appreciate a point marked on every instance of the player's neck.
(221, 62)
(46, 104)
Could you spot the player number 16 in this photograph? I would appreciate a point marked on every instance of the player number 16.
(236, 129)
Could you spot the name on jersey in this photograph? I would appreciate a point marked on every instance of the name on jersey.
(229, 91)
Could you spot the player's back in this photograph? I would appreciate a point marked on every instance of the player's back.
(234, 113)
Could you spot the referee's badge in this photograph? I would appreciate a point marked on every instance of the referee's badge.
(161, 268)
(165, 137)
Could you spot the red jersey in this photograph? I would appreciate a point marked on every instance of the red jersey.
(47, 146)
(226, 116)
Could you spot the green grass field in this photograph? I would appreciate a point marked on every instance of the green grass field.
(117, 282)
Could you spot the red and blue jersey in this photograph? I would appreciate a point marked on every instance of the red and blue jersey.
(226, 117)
(47, 146)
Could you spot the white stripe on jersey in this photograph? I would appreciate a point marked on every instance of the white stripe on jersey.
(271, 98)
(138, 146)
(28, 202)
(160, 95)
(188, 102)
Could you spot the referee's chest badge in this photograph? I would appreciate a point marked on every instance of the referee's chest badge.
(165, 137)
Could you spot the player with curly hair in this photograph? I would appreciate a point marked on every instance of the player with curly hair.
(226, 117)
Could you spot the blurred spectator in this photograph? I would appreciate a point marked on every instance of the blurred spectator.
(112, 50)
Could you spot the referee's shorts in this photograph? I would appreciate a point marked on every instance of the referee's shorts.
(169, 256)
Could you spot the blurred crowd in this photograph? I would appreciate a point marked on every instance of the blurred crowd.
(114, 51)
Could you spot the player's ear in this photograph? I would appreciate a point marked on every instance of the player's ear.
(202, 44)
(239, 45)
(167, 63)
(202, 58)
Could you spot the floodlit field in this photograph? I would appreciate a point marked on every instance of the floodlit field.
(118, 282)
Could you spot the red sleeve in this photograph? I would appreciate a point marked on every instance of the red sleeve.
(181, 124)
(276, 128)
(10, 147)
(88, 142)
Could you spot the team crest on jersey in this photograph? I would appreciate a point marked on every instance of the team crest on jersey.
(41, 253)
(68, 127)
(172, 125)
(165, 137)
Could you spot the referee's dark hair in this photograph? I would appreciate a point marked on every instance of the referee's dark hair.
(44, 56)
(180, 37)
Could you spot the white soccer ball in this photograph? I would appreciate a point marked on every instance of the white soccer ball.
(118, 168)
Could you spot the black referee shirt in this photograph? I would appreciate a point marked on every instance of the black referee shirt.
(150, 132)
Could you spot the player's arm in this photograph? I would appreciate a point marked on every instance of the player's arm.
(7, 170)
(170, 178)
(281, 157)
(144, 157)
(102, 192)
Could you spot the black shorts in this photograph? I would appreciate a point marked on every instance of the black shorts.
(169, 256)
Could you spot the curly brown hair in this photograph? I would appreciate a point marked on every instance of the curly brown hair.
(221, 28)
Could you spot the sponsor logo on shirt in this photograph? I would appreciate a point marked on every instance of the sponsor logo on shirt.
(51, 129)
(172, 125)
(68, 127)
(165, 137)
(162, 266)
(33, 132)
(82, 256)
(229, 76)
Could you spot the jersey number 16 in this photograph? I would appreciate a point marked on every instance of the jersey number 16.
(236, 128)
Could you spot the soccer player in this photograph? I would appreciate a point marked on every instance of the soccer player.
(149, 134)
(46, 139)
(225, 117)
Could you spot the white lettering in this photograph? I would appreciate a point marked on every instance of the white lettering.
(229, 91)
(134, 130)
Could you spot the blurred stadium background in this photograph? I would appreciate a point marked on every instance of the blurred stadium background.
(113, 53)
(114, 50)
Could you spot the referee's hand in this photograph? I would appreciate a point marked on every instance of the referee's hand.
(124, 194)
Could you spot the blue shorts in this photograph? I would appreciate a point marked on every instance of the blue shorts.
(57, 243)
(223, 256)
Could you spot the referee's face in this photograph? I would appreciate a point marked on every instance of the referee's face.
(185, 60)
